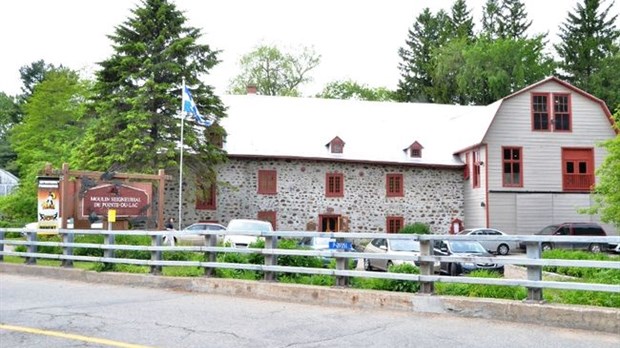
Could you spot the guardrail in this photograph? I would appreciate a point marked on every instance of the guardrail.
(533, 261)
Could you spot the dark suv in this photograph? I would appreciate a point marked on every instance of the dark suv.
(573, 229)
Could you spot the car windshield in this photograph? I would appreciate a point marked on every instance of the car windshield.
(404, 245)
(247, 226)
(466, 247)
(548, 230)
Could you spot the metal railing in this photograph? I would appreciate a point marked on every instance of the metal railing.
(426, 259)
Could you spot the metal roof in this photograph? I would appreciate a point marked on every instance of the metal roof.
(290, 127)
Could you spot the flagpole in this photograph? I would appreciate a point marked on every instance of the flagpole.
(181, 161)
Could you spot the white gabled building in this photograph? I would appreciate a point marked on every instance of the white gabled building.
(325, 164)
(8, 182)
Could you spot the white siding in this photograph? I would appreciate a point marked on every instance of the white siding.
(542, 151)
(475, 213)
(502, 208)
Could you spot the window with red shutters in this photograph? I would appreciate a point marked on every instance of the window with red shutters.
(267, 182)
(334, 185)
(394, 185)
(394, 224)
(475, 181)
(551, 112)
(205, 196)
(561, 112)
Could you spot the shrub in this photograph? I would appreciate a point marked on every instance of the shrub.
(481, 290)
(416, 228)
(390, 284)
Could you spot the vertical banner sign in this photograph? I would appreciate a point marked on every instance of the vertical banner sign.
(48, 198)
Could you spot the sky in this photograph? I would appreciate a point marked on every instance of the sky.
(357, 39)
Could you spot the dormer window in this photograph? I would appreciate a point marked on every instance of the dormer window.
(414, 150)
(336, 145)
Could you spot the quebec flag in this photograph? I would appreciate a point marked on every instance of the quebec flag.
(190, 107)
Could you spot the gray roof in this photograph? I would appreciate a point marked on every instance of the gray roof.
(289, 127)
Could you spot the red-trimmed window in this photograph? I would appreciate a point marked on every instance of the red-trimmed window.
(394, 185)
(561, 112)
(512, 164)
(475, 182)
(466, 169)
(577, 169)
(540, 112)
(394, 224)
(551, 112)
(267, 182)
(205, 196)
(269, 216)
(334, 185)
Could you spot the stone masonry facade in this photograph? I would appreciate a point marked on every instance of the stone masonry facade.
(433, 196)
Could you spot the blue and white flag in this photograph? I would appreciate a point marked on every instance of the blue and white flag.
(190, 107)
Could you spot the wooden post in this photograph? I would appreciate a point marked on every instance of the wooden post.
(210, 256)
(426, 267)
(342, 264)
(67, 250)
(156, 255)
(533, 251)
(270, 260)
(31, 237)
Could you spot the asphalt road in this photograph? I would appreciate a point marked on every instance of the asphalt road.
(41, 312)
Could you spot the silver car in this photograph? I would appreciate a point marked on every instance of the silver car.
(192, 234)
(393, 246)
(492, 246)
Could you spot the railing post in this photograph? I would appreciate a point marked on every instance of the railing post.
(342, 264)
(534, 273)
(1, 245)
(32, 238)
(210, 256)
(156, 255)
(67, 249)
(426, 268)
(108, 253)
(271, 242)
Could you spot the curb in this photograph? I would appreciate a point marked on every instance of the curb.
(573, 317)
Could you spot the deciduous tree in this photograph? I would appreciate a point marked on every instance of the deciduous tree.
(353, 90)
(274, 72)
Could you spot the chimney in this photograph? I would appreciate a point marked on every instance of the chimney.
(251, 89)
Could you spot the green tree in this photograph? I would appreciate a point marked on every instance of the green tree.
(275, 72)
(10, 115)
(448, 63)
(605, 82)
(52, 126)
(461, 21)
(33, 74)
(587, 38)
(513, 20)
(428, 32)
(138, 96)
(492, 24)
(607, 189)
(353, 90)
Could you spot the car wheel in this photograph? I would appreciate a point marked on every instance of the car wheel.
(367, 265)
(388, 265)
(503, 249)
(453, 270)
(546, 247)
(595, 248)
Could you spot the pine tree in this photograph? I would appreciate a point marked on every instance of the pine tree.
(588, 37)
(513, 20)
(492, 24)
(461, 21)
(428, 32)
(139, 96)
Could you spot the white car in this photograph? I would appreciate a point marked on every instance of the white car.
(393, 246)
(492, 246)
(193, 235)
(242, 225)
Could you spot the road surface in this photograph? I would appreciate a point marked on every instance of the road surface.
(42, 312)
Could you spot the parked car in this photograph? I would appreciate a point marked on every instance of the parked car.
(392, 246)
(192, 234)
(243, 225)
(573, 229)
(322, 243)
(492, 246)
(464, 248)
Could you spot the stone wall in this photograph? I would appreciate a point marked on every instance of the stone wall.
(431, 196)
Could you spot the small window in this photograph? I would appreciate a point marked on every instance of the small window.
(336, 145)
(205, 196)
(512, 164)
(415, 150)
(394, 224)
(334, 185)
(394, 185)
(561, 112)
(540, 112)
(267, 182)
